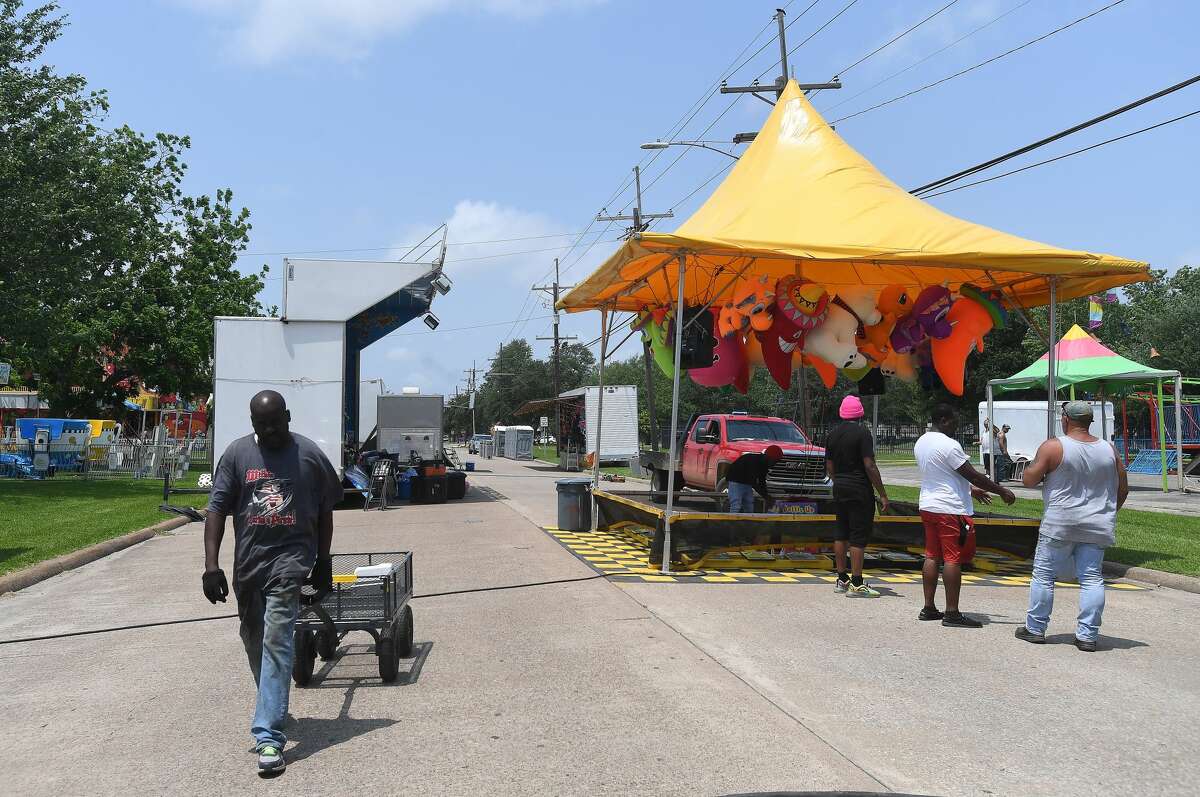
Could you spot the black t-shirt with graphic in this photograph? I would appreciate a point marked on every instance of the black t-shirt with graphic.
(276, 498)
(846, 446)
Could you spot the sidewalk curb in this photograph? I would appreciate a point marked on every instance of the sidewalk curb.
(1156, 577)
(28, 576)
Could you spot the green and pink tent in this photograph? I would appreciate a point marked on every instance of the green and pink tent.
(1082, 360)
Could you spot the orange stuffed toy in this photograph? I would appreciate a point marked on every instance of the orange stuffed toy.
(970, 321)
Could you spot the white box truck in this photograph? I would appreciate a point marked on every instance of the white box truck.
(332, 310)
(1027, 420)
(619, 432)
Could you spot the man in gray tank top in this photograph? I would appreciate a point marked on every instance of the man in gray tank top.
(1083, 486)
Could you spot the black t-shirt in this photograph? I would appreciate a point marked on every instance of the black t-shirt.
(750, 469)
(848, 443)
(276, 498)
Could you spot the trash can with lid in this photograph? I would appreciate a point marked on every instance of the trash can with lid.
(574, 504)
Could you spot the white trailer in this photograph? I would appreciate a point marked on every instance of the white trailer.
(1027, 422)
(411, 425)
(332, 310)
(620, 426)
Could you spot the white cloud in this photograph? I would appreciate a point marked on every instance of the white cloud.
(516, 235)
(399, 354)
(268, 31)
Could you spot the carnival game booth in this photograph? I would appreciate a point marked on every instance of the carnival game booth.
(1082, 362)
(806, 255)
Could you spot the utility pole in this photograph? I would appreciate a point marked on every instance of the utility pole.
(640, 223)
(471, 394)
(553, 290)
(640, 220)
(781, 81)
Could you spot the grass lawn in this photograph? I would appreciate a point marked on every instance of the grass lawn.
(44, 519)
(1156, 540)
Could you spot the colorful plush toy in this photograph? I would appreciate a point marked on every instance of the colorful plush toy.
(730, 322)
(824, 370)
(750, 308)
(800, 306)
(900, 366)
(861, 300)
(927, 319)
(894, 300)
(971, 320)
(989, 300)
(836, 340)
(655, 333)
(729, 365)
(856, 374)
(803, 303)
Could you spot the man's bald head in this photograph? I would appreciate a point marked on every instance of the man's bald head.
(270, 418)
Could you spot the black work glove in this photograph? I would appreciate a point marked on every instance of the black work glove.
(216, 588)
(321, 578)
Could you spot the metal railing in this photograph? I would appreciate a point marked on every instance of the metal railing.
(125, 458)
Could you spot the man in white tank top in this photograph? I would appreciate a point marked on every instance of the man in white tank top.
(1083, 486)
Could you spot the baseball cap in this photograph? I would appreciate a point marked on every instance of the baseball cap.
(773, 452)
(1078, 411)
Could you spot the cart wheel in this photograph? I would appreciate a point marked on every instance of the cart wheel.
(389, 654)
(326, 645)
(304, 656)
(405, 634)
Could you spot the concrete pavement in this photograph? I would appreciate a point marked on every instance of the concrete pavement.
(593, 687)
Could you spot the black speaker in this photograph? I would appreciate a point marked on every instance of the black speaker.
(873, 384)
(698, 338)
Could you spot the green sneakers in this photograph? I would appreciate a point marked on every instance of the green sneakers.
(861, 591)
(270, 760)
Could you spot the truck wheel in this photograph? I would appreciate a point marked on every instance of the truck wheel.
(658, 479)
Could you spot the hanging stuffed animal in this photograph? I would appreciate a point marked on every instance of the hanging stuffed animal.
(654, 332)
(900, 366)
(729, 365)
(989, 300)
(971, 320)
(824, 370)
(894, 302)
(927, 319)
(730, 322)
(800, 307)
(836, 340)
(749, 309)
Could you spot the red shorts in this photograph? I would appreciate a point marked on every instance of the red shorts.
(949, 538)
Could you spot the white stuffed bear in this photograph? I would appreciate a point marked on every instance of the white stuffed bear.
(834, 340)
(861, 300)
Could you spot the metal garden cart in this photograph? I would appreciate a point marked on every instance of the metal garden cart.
(377, 604)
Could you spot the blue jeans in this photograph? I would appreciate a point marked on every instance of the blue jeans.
(268, 621)
(1054, 557)
(741, 497)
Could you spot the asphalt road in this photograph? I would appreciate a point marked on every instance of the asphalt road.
(592, 687)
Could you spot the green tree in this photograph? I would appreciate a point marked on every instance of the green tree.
(110, 273)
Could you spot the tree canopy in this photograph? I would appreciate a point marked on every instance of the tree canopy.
(110, 272)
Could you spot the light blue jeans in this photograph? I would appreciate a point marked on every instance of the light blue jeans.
(267, 626)
(741, 497)
(1054, 557)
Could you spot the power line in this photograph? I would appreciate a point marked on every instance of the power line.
(969, 69)
(886, 45)
(771, 40)
(1055, 137)
(405, 246)
(1064, 155)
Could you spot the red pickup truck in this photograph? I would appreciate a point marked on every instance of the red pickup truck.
(712, 442)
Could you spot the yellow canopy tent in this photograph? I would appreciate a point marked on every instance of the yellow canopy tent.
(801, 201)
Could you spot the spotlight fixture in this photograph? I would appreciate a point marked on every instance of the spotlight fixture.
(431, 321)
(442, 284)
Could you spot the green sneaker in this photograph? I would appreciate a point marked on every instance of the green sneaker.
(841, 586)
(270, 760)
(861, 591)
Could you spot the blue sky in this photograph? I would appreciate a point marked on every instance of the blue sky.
(362, 124)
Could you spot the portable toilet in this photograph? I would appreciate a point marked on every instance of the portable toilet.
(498, 441)
(518, 442)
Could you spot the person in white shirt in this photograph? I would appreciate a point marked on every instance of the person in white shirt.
(985, 445)
(1084, 484)
(948, 485)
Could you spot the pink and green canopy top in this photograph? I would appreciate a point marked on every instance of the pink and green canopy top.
(1083, 360)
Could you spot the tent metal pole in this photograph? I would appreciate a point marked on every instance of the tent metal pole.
(991, 413)
(666, 553)
(1179, 430)
(600, 397)
(1052, 362)
(1162, 436)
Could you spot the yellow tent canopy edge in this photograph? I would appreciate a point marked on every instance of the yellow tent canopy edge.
(800, 201)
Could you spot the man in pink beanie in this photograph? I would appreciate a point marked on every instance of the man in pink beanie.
(850, 462)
